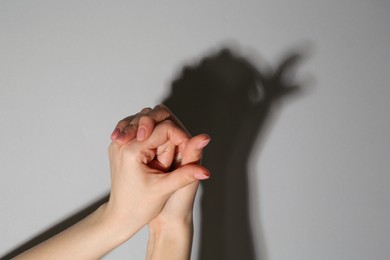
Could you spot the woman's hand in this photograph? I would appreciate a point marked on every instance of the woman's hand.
(140, 126)
(171, 231)
(141, 183)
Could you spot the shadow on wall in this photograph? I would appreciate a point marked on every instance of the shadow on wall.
(228, 98)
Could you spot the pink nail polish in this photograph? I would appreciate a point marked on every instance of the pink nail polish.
(203, 143)
(115, 133)
(141, 133)
(202, 176)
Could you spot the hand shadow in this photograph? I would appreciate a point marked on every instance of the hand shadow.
(226, 97)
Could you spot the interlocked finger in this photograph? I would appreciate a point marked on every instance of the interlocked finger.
(126, 129)
(149, 120)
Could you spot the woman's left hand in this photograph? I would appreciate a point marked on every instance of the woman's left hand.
(174, 222)
(140, 126)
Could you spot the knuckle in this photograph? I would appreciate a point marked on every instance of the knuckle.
(126, 121)
(144, 118)
(145, 110)
(161, 108)
(130, 127)
(168, 123)
(123, 122)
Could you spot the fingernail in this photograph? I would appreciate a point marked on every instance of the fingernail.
(141, 133)
(203, 143)
(202, 175)
(115, 133)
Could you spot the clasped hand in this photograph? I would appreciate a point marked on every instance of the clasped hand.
(155, 172)
(146, 171)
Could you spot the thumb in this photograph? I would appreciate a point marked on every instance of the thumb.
(184, 176)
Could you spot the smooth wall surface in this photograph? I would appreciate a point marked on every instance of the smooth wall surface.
(69, 70)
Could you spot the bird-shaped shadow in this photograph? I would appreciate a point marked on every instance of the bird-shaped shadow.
(230, 99)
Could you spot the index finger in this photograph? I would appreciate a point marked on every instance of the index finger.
(126, 129)
(149, 120)
(167, 131)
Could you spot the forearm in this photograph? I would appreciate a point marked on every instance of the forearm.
(172, 241)
(91, 238)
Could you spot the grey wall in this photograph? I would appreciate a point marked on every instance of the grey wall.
(69, 70)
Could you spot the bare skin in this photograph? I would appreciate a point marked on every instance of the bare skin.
(154, 177)
(171, 232)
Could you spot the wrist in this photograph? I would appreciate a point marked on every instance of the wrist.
(171, 240)
(165, 224)
(119, 228)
